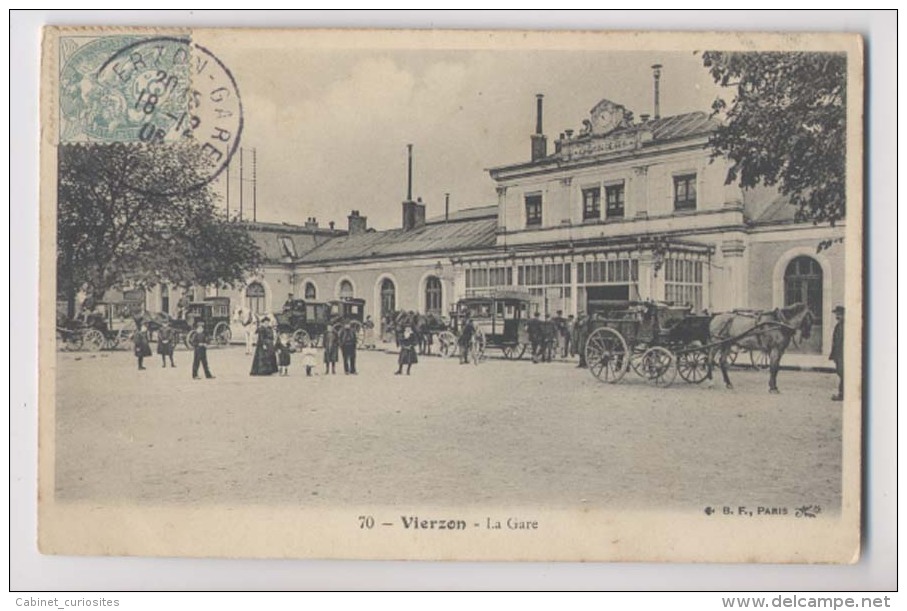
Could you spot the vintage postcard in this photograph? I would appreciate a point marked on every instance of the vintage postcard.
(448, 295)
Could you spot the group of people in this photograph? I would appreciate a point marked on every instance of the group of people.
(554, 336)
(166, 343)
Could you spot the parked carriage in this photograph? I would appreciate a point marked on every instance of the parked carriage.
(106, 325)
(657, 340)
(349, 310)
(304, 320)
(214, 313)
(500, 320)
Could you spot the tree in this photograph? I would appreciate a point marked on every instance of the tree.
(785, 126)
(114, 227)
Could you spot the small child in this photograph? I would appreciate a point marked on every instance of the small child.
(309, 358)
(282, 348)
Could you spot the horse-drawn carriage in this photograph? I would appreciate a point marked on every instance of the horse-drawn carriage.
(649, 337)
(659, 341)
(104, 325)
(500, 320)
(213, 313)
(304, 320)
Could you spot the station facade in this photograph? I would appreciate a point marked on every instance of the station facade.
(620, 209)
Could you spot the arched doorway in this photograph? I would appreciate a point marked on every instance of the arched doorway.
(346, 289)
(803, 284)
(310, 291)
(255, 298)
(388, 297)
(433, 295)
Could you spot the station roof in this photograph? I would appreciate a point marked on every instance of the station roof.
(462, 234)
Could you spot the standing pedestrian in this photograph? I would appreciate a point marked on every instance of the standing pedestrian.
(837, 351)
(309, 358)
(535, 336)
(200, 352)
(264, 362)
(408, 354)
(141, 343)
(465, 339)
(560, 336)
(330, 350)
(347, 338)
(580, 331)
(247, 320)
(368, 330)
(550, 334)
(569, 329)
(165, 341)
(282, 348)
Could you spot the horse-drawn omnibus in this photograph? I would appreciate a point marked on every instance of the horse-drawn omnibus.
(304, 320)
(500, 319)
(214, 313)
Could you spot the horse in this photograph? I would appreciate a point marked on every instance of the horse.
(771, 331)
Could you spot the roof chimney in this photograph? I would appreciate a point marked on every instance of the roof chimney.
(539, 141)
(446, 206)
(311, 223)
(644, 118)
(656, 72)
(409, 173)
(357, 223)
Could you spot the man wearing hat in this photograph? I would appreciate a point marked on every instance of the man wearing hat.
(837, 351)
(535, 336)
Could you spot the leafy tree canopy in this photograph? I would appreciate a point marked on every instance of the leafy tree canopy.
(113, 226)
(785, 126)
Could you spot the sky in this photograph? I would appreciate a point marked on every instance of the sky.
(330, 125)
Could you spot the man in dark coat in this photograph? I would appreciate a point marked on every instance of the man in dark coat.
(330, 341)
(580, 332)
(141, 343)
(535, 336)
(549, 332)
(347, 340)
(466, 335)
(837, 351)
(200, 352)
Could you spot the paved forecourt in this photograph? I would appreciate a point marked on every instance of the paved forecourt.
(502, 432)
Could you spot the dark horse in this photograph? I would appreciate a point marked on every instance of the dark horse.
(423, 326)
(770, 331)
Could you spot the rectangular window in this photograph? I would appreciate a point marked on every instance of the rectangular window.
(614, 201)
(683, 282)
(592, 204)
(685, 192)
(533, 210)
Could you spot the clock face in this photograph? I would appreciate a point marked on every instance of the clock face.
(606, 117)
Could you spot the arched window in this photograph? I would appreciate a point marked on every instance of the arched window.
(388, 297)
(433, 295)
(346, 289)
(803, 284)
(310, 292)
(255, 297)
(165, 299)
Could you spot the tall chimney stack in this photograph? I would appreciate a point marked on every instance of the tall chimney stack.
(539, 141)
(409, 173)
(446, 206)
(656, 72)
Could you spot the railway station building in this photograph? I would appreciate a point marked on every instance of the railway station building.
(620, 208)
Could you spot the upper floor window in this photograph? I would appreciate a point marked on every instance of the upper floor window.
(685, 192)
(533, 210)
(592, 204)
(614, 201)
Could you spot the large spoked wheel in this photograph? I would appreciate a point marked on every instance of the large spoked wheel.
(93, 340)
(693, 365)
(760, 359)
(606, 355)
(447, 343)
(658, 366)
(222, 334)
(301, 339)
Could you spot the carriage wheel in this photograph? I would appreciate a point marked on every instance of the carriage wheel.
(636, 353)
(191, 339)
(760, 359)
(301, 339)
(93, 340)
(693, 365)
(447, 343)
(222, 334)
(607, 355)
(658, 366)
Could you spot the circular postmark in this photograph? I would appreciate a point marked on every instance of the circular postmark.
(172, 100)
